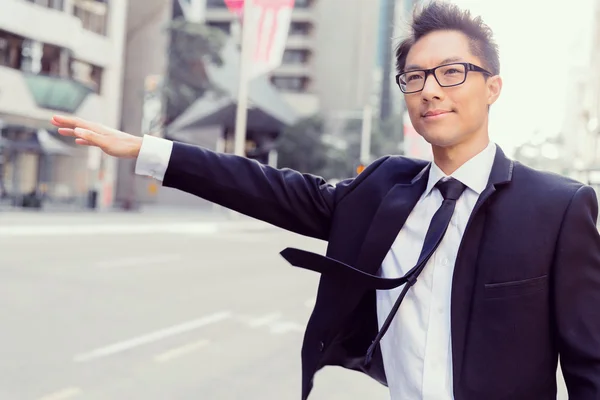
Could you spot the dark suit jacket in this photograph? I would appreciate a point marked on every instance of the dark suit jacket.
(526, 284)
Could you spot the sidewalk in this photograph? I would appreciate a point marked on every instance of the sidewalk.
(153, 217)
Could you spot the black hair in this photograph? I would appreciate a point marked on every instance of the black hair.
(438, 16)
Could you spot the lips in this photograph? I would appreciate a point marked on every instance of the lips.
(434, 113)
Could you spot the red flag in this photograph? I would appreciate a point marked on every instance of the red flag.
(235, 6)
(270, 21)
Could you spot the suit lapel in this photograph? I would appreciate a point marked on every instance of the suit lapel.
(383, 229)
(388, 220)
(465, 269)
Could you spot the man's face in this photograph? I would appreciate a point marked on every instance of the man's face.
(457, 114)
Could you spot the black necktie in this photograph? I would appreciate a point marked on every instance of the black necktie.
(451, 189)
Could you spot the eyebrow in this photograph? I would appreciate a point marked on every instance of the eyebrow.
(445, 61)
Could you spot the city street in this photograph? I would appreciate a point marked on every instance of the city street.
(143, 306)
(129, 306)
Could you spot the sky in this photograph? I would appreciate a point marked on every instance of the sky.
(539, 42)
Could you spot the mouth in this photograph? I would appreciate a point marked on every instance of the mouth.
(434, 115)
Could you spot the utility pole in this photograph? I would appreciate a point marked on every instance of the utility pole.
(241, 117)
(385, 109)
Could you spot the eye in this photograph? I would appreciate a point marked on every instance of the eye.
(451, 71)
(413, 77)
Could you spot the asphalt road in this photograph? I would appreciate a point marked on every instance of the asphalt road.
(155, 307)
(149, 307)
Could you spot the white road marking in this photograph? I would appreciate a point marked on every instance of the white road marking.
(152, 337)
(63, 394)
(200, 228)
(264, 320)
(272, 322)
(180, 351)
(139, 261)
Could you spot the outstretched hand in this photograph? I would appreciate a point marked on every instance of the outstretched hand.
(86, 133)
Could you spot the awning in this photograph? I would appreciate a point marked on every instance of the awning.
(56, 93)
(267, 110)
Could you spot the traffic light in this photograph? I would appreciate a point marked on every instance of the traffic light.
(360, 168)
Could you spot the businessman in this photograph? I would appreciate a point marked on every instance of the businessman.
(464, 278)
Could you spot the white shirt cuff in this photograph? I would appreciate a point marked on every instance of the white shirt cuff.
(154, 157)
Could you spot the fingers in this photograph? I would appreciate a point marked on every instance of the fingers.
(83, 142)
(78, 135)
(84, 134)
(62, 121)
(82, 137)
(66, 132)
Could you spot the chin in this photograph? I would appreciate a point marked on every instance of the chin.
(439, 139)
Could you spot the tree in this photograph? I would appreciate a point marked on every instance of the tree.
(193, 45)
(301, 146)
(306, 146)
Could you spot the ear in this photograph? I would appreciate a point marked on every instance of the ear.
(494, 85)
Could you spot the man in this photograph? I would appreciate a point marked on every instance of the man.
(464, 278)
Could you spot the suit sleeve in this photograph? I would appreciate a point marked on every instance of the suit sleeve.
(301, 203)
(577, 296)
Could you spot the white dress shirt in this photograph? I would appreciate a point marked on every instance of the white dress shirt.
(417, 352)
(154, 157)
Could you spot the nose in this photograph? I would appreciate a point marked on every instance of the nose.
(431, 90)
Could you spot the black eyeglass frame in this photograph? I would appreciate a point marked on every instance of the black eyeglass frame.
(468, 67)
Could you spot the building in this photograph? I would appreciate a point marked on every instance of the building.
(163, 95)
(330, 53)
(580, 131)
(327, 68)
(66, 58)
(590, 112)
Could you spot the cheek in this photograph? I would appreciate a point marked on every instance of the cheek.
(471, 105)
(414, 109)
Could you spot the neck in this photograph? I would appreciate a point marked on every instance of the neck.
(451, 158)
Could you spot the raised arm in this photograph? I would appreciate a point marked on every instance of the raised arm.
(301, 203)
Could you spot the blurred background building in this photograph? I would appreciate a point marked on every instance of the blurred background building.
(572, 148)
(170, 68)
(326, 69)
(67, 58)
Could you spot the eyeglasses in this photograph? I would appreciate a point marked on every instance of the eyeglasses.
(446, 75)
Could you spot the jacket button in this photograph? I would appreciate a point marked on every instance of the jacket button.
(321, 346)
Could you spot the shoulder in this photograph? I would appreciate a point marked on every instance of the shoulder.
(550, 189)
(383, 173)
(543, 181)
(393, 169)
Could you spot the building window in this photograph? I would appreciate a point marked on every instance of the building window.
(93, 14)
(214, 3)
(30, 55)
(290, 83)
(295, 57)
(302, 3)
(86, 73)
(50, 62)
(10, 50)
(300, 28)
(54, 4)
(223, 26)
(32, 52)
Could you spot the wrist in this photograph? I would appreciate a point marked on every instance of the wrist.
(136, 146)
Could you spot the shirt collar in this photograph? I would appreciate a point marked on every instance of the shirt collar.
(475, 173)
